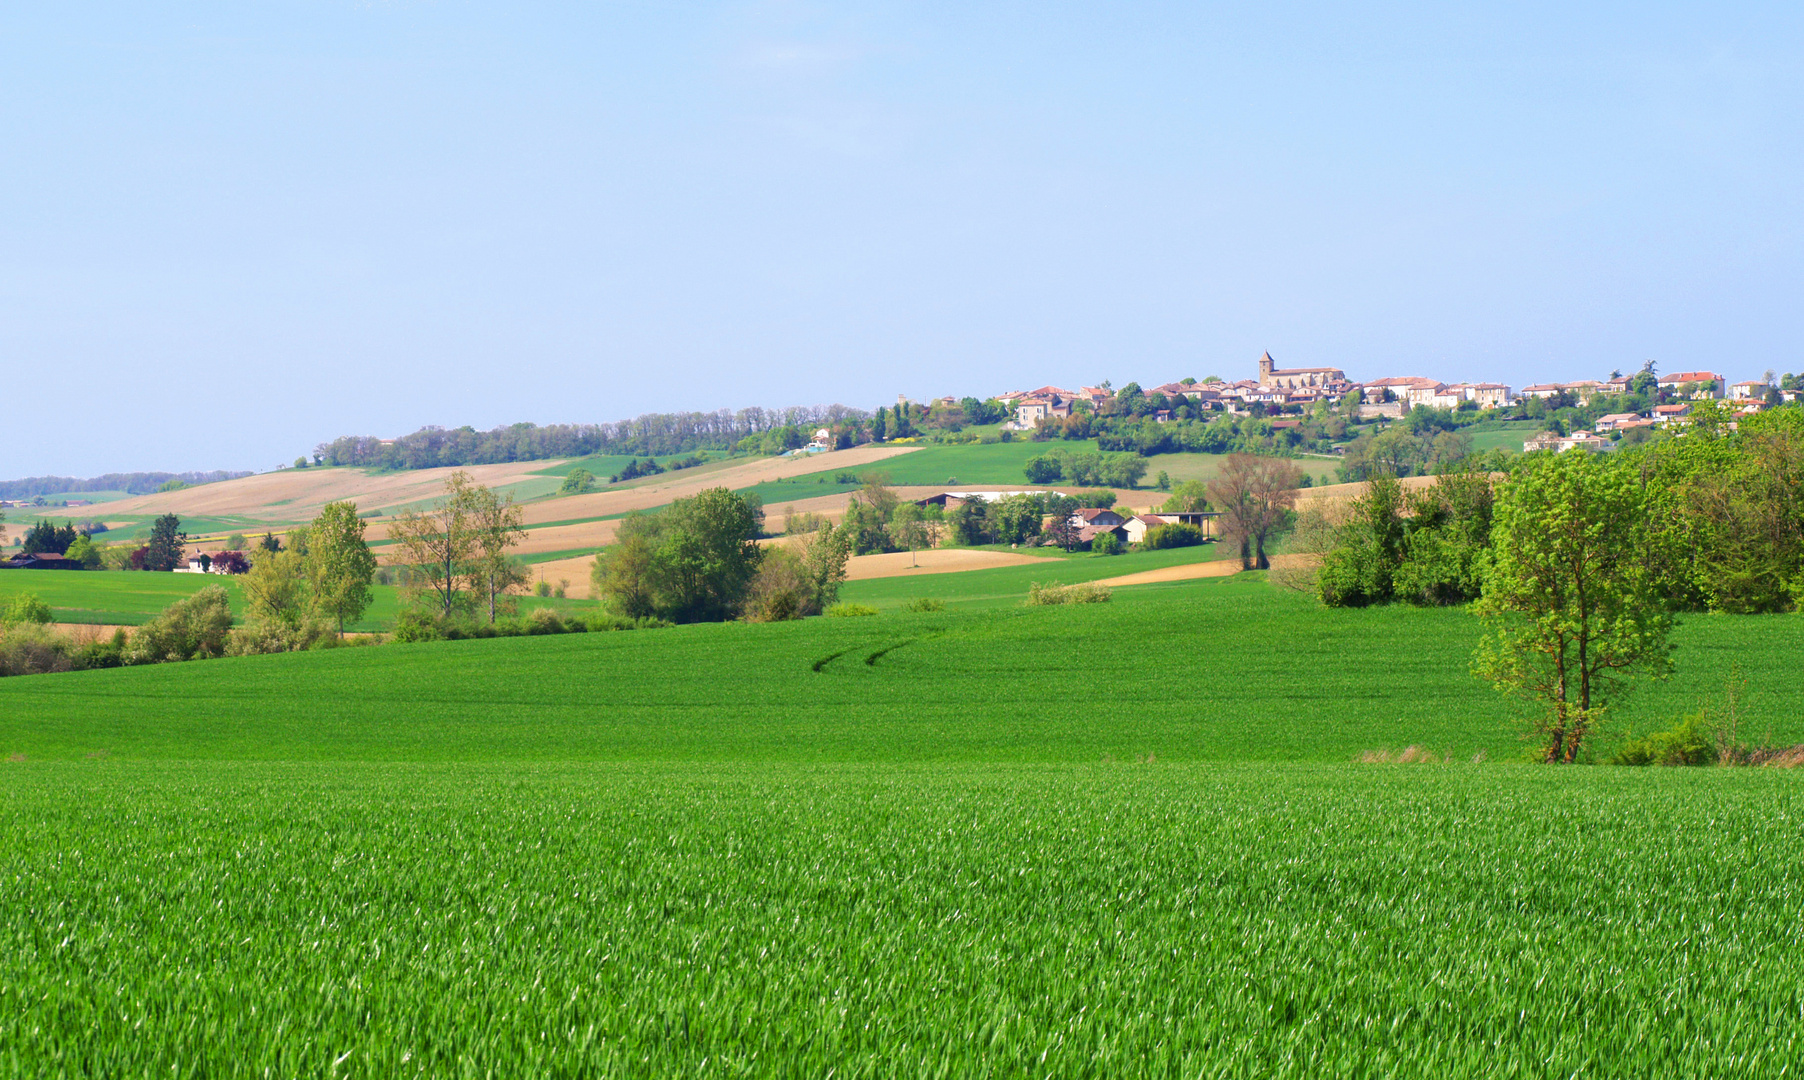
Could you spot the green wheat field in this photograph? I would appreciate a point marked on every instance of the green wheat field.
(1120, 839)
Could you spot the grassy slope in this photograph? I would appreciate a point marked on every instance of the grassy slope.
(1007, 585)
(131, 599)
(1222, 669)
(930, 843)
(1206, 467)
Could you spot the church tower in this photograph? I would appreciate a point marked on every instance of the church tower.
(1266, 364)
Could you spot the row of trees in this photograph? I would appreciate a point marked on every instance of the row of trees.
(658, 434)
(1112, 470)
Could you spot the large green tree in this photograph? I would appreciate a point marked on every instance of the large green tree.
(164, 551)
(1570, 606)
(691, 562)
(340, 565)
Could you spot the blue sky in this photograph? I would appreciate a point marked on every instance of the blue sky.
(228, 232)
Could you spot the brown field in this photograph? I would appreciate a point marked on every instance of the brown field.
(1190, 571)
(932, 561)
(296, 495)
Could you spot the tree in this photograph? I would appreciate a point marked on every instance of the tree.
(235, 542)
(1255, 495)
(879, 427)
(910, 530)
(1064, 529)
(84, 551)
(577, 482)
(47, 539)
(1190, 497)
(691, 562)
(440, 543)
(1570, 606)
(1015, 518)
(164, 551)
(276, 589)
(1043, 469)
(499, 526)
(269, 542)
(339, 563)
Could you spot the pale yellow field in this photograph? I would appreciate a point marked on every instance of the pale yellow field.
(932, 561)
(296, 495)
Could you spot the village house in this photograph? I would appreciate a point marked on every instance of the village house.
(1671, 414)
(1708, 384)
(1750, 390)
(1139, 525)
(1614, 421)
(1559, 444)
(1396, 389)
(1035, 407)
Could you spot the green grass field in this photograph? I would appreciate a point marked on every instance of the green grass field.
(126, 598)
(1112, 839)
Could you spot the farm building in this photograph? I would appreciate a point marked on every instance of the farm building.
(950, 499)
(43, 560)
(1140, 524)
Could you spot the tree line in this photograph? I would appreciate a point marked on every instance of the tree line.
(658, 434)
(132, 483)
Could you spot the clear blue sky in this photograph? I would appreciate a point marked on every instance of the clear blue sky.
(228, 232)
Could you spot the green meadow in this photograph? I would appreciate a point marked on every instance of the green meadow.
(130, 598)
(1122, 838)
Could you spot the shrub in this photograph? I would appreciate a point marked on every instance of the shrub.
(925, 603)
(1174, 535)
(1106, 544)
(190, 629)
(32, 649)
(108, 652)
(1088, 592)
(26, 608)
(546, 621)
(414, 626)
(266, 636)
(851, 611)
(1688, 743)
(543, 588)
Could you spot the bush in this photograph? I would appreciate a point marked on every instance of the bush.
(1106, 544)
(26, 608)
(413, 626)
(543, 588)
(100, 653)
(851, 611)
(925, 603)
(546, 621)
(1088, 592)
(1688, 743)
(33, 649)
(267, 636)
(1174, 535)
(191, 629)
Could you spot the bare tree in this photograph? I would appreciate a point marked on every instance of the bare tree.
(499, 525)
(1255, 495)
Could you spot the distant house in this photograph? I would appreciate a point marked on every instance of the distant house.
(1140, 524)
(1751, 390)
(1559, 444)
(1671, 414)
(42, 560)
(823, 440)
(1398, 388)
(1709, 384)
(1616, 420)
(1096, 518)
(950, 499)
(1037, 406)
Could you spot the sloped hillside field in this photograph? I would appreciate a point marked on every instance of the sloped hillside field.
(1122, 839)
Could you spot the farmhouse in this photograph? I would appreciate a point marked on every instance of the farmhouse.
(1095, 518)
(1140, 524)
(949, 499)
(1751, 390)
(1617, 420)
(1671, 414)
(43, 560)
(1270, 374)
